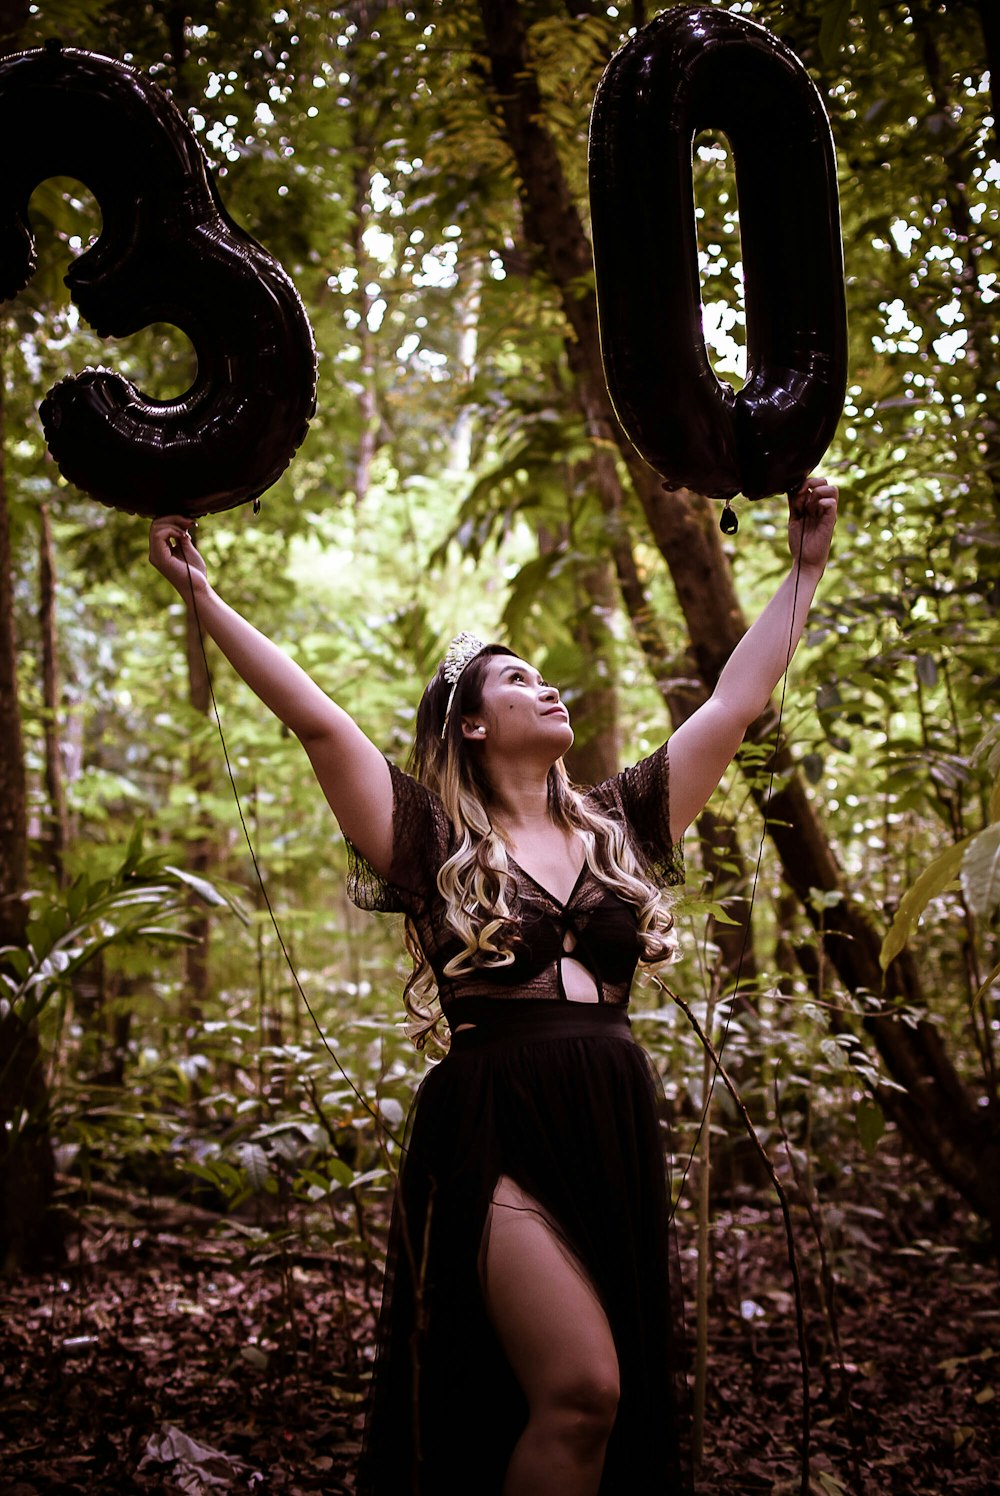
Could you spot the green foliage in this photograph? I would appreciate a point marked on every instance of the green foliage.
(870, 1122)
(975, 860)
(136, 903)
(932, 881)
(140, 904)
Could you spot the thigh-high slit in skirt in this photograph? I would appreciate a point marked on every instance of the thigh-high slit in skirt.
(558, 1097)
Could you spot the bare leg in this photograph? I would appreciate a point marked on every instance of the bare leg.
(557, 1339)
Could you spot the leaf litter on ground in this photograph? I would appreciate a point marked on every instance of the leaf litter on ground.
(175, 1361)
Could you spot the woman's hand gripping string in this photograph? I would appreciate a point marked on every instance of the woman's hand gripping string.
(175, 556)
(812, 515)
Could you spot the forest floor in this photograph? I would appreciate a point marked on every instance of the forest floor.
(167, 1356)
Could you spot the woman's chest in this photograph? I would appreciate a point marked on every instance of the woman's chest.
(551, 859)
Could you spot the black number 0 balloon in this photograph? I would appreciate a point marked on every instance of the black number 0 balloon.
(167, 252)
(690, 70)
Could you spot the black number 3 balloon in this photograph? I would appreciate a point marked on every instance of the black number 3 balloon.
(690, 70)
(167, 252)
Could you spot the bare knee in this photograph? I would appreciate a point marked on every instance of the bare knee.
(579, 1411)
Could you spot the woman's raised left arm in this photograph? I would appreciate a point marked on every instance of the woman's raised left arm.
(702, 748)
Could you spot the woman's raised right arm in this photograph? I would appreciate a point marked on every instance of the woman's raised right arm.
(351, 771)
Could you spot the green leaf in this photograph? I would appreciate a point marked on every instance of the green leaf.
(833, 28)
(812, 767)
(981, 873)
(200, 1171)
(134, 849)
(339, 1172)
(927, 670)
(870, 1122)
(983, 992)
(835, 1053)
(932, 881)
(255, 1163)
(76, 897)
(527, 587)
(17, 959)
(206, 891)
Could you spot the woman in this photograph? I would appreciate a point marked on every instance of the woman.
(526, 1341)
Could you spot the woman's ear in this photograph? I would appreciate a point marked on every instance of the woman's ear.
(472, 729)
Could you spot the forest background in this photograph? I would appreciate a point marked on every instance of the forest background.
(420, 170)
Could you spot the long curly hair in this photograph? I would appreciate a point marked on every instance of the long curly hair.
(475, 882)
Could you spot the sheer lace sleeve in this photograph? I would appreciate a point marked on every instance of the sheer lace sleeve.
(419, 846)
(641, 796)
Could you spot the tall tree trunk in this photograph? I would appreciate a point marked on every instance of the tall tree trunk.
(13, 789)
(980, 350)
(364, 301)
(28, 1229)
(936, 1112)
(58, 835)
(989, 20)
(683, 694)
(595, 753)
(460, 459)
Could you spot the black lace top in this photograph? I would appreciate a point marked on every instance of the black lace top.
(596, 927)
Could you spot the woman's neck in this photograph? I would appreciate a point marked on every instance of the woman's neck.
(520, 798)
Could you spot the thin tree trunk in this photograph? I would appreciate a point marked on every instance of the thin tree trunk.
(989, 19)
(936, 1113)
(368, 411)
(981, 350)
(595, 753)
(28, 1230)
(13, 788)
(683, 695)
(58, 836)
(460, 458)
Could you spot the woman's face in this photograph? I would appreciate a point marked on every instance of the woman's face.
(519, 710)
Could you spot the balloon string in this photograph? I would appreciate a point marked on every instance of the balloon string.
(716, 1054)
(756, 874)
(373, 1111)
(786, 1216)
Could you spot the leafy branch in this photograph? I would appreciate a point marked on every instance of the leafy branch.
(141, 900)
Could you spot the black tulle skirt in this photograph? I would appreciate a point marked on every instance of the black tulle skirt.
(560, 1098)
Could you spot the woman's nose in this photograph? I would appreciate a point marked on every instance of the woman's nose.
(550, 693)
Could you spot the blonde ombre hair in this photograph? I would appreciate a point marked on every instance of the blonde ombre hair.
(475, 882)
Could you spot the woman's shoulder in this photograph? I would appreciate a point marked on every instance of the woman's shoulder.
(420, 836)
(647, 778)
(639, 798)
(420, 822)
(408, 790)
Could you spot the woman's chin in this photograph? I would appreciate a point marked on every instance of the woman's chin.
(566, 738)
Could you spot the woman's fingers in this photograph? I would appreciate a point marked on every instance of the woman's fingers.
(813, 496)
(812, 517)
(171, 547)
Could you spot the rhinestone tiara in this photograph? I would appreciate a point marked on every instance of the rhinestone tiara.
(461, 652)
